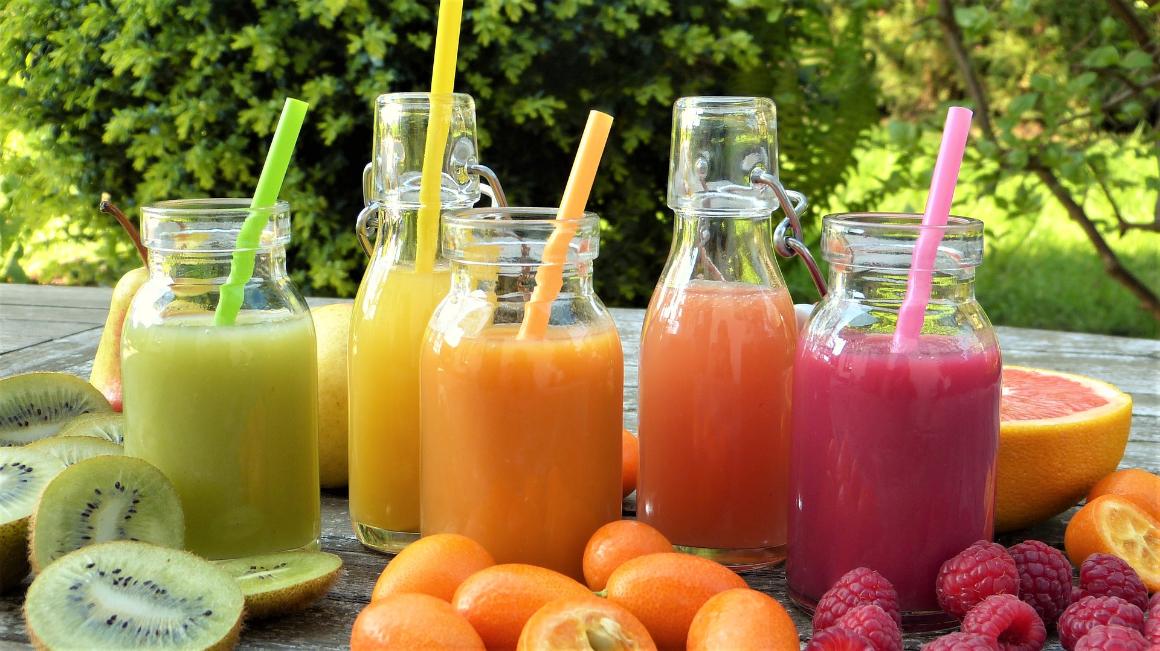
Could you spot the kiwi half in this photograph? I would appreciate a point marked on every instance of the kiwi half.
(23, 475)
(71, 449)
(276, 584)
(102, 499)
(36, 405)
(108, 426)
(131, 595)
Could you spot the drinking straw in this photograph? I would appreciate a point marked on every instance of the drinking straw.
(442, 85)
(265, 195)
(550, 275)
(938, 207)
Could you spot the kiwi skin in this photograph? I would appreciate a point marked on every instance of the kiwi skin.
(262, 601)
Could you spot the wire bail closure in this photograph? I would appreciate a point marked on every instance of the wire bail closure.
(791, 244)
(367, 223)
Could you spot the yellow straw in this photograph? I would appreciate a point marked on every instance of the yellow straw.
(550, 275)
(442, 85)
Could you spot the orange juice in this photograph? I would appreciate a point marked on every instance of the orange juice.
(715, 382)
(521, 439)
(391, 312)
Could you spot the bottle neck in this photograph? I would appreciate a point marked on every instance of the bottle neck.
(213, 267)
(724, 248)
(888, 286)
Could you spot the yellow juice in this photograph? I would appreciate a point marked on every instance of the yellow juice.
(230, 415)
(391, 313)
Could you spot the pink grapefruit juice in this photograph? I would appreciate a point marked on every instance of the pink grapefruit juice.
(893, 461)
(715, 375)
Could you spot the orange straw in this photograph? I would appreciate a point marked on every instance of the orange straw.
(442, 85)
(550, 275)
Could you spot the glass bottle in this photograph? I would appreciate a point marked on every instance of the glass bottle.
(718, 343)
(394, 302)
(521, 435)
(227, 412)
(893, 453)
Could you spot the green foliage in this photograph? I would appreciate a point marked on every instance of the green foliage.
(154, 99)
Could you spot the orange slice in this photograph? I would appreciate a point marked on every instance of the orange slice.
(1060, 434)
(1113, 525)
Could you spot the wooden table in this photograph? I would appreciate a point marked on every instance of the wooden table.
(57, 329)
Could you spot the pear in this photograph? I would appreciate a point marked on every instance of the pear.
(106, 374)
(332, 328)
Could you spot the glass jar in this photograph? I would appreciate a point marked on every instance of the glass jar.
(228, 412)
(718, 344)
(521, 435)
(893, 454)
(394, 302)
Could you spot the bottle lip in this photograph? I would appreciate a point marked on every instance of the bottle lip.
(210, 225)
(723, 101)
(516, 236)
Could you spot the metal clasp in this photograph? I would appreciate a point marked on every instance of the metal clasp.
(367, 224)
(789, 245)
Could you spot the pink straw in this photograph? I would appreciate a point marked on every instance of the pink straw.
(938, 208)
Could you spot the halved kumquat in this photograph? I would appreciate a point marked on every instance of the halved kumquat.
(1113, 525)
(584, 624)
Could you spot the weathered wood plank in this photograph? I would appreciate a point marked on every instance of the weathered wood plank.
(1133, 364)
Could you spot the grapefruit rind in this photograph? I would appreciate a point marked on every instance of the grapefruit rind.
(1046, 466)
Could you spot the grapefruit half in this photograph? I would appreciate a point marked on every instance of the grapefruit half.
(1060, 434)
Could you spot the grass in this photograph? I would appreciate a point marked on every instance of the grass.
(1040, 270)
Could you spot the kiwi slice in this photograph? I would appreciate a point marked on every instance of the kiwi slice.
(132, 595)
(281, 583)
(36, 405)
(71, 449)
(23, 475)
(108, 426)
(102, 499)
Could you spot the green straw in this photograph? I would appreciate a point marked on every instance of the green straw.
(265, 195)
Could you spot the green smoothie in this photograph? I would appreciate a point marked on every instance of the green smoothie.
(229, 414)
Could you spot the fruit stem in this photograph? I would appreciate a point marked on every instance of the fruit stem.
(109, 208)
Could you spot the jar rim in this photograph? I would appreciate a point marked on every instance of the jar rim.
(722, 101)
(219, 206)
(905, 221)
(421, 98)
(509, 217)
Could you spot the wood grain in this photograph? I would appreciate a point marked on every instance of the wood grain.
(30, 313)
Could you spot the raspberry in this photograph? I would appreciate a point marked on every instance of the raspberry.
(1044, 578)
(977, 572)
(1083, 615)
(1104, 575)
(962, 642)
(1014, 624)
(1112, 638)
(857, 587)
(839, 639)
(872, 622)
(1152, 625)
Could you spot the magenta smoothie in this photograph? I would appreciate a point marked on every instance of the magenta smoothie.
(893, 460)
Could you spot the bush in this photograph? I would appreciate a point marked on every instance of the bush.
(155, 99)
